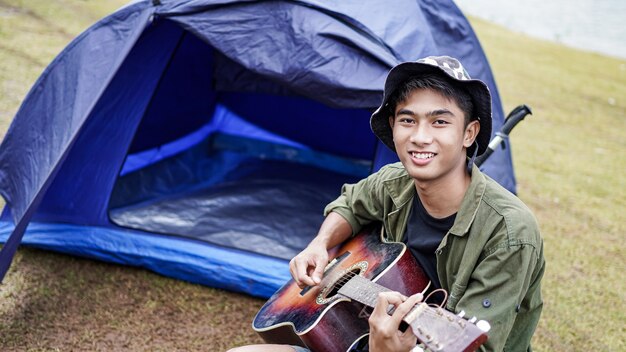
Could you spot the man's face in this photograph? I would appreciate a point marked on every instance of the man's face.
(430, 136)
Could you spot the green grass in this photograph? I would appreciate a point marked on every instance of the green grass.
(570, 163)
(569, 159)
(32, 33)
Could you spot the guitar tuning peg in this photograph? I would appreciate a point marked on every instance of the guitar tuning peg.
(461, 314)
(473, 320)
(483, 325)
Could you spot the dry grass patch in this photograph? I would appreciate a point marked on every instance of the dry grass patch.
(53, 301)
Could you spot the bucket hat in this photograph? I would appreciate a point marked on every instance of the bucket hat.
(449, 68)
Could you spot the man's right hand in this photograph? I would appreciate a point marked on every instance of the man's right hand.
(308, 266)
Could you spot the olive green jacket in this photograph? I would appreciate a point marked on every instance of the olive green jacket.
(490, 262)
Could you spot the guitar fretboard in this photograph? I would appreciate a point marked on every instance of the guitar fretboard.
(362, 290)
(436, 328)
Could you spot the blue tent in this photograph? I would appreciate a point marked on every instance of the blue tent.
(201, 139)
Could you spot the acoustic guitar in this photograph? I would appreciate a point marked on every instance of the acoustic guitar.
(332, 316)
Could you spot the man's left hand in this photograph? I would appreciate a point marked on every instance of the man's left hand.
(385, 335)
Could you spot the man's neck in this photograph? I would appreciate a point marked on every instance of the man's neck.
(442, 198)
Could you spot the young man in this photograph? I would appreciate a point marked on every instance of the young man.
(472, 237)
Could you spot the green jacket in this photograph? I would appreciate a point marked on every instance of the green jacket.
(490, 262)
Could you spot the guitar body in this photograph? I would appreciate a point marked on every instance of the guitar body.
(320, 319)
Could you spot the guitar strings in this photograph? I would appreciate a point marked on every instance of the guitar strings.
(347, 277)
(443, 301)
(435, 310)
(353, 273)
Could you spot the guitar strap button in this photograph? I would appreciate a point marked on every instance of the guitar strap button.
(486, 303)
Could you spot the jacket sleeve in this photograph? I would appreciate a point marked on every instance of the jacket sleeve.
(360, 203)
(504, 290)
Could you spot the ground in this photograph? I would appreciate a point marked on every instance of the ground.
(568, 156)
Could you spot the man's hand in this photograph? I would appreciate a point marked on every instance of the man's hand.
(385, 335)
(308, 266)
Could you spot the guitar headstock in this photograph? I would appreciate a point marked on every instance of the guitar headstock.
(440, 330)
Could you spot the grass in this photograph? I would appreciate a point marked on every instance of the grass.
(32, 33)
(52, 302)
(570, 164)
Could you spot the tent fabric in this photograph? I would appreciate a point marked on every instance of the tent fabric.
(144, 90)
(189, 260)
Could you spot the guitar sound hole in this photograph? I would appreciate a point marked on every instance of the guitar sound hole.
(342, 281)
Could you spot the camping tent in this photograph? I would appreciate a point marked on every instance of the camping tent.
(201, 139)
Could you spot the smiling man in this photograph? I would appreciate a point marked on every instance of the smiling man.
(472, 237)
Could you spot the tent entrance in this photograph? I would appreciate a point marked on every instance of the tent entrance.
(225, 155)
(235, 191)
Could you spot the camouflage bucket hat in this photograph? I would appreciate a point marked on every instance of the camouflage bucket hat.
(449, 68)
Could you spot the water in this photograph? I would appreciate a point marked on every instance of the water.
(592, 25)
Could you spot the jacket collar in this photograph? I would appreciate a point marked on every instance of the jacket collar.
(469, 206)
(401, 189)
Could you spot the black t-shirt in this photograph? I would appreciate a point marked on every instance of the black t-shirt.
(423, 235)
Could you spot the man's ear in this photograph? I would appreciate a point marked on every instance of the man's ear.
(391, 121)
(471, 132)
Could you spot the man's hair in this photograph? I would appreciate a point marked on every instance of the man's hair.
(439, 84)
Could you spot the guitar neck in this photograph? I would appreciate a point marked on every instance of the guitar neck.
(362, 290)
(366, 292)
(436, 328)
